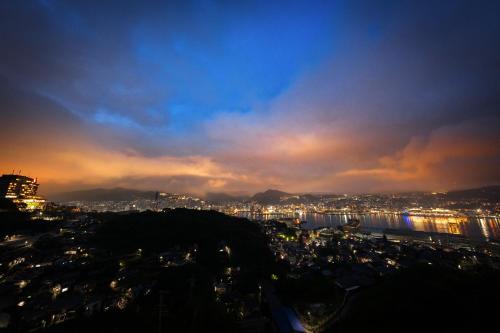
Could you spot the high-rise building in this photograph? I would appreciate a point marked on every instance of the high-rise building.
(21, 190)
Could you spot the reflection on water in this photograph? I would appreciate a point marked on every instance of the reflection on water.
(471, 227)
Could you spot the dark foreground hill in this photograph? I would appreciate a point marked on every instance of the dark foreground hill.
(424, 299)
(222, 248)
(156, 232)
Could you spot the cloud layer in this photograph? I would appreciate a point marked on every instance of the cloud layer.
(238, 97)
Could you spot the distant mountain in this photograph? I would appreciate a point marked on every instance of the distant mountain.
(491, 193)
(219, 197)
(270, 197)
(101, 194)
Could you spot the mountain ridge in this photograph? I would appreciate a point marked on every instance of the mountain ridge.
(102, 194)
(270, 196)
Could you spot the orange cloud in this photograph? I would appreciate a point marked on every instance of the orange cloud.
(451, 156)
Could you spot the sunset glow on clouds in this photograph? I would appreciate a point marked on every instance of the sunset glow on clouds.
(339, 97)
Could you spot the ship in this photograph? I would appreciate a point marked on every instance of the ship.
(431, 212)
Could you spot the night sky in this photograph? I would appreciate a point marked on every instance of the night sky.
(240, 96)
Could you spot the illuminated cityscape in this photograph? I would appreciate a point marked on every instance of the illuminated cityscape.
(298, 166)
(82, 261)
